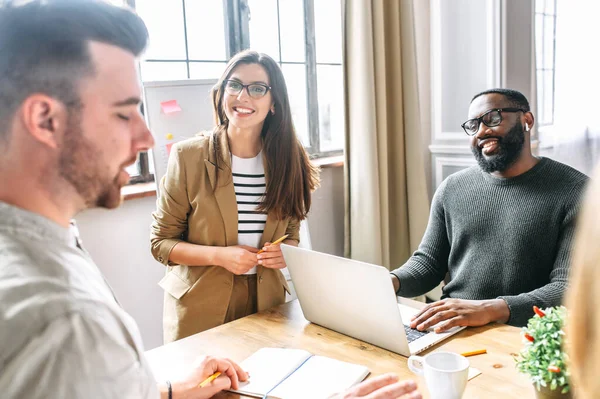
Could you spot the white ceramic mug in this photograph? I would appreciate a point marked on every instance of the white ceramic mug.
(445, 373)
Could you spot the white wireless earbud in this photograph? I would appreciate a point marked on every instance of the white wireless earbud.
(526, 127)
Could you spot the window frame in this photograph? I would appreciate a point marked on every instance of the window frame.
(312, 93)
(143, 160)
(540, 67)
(237, 38)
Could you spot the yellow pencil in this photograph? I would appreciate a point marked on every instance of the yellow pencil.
(277, 241)
(209, 379)
(473, 353)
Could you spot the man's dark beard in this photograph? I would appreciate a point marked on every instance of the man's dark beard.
(509, 150)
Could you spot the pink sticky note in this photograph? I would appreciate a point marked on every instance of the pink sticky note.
(169, 107)
(168, 147)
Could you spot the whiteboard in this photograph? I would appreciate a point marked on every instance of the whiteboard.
(196, 114)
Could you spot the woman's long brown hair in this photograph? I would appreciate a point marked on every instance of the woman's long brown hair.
(291, 176)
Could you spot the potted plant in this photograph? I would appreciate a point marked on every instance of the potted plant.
(543, 358)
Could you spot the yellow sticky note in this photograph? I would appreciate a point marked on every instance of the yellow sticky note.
(169, 136)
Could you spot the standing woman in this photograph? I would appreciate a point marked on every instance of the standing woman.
(227, 193)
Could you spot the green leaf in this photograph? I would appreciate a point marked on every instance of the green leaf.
(546, 350)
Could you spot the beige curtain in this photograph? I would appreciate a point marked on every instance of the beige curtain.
(386, 53)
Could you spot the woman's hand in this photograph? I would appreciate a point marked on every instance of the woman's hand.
(271, 257)
(237, 259)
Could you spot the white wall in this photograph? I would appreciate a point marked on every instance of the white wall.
(463, 57)
(326, 218)
(476, 45)
(119, 242)
(518, 47)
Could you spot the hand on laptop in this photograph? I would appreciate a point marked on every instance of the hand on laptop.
(271, 256)
(460, 312)
(385, 386)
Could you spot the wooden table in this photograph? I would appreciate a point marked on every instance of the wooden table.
(285, 327)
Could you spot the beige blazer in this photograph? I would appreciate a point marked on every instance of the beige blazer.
(197, 297)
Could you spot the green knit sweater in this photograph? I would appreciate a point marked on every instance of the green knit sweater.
(506, 238)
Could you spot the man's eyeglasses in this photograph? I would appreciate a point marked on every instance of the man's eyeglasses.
(491, 118)
(255, 90)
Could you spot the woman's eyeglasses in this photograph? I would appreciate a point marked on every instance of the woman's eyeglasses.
(255, 90)
(491, 118)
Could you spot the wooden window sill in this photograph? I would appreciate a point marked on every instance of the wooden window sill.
(329, 162)
(143, 190)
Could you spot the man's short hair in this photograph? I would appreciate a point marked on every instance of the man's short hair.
(515, 98)
(44, 48)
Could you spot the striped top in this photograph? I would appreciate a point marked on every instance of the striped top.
(250, 185)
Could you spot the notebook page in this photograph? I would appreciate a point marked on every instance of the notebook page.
(268, 367)
(320, 377)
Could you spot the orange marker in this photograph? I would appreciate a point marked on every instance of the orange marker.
(473, 353)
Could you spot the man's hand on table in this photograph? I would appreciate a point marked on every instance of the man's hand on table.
(385, 386)
(460, 312)
(231, 374)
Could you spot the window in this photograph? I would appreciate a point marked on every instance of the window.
(193, 39)
(545, 46)
(187, 39)
(141, 171)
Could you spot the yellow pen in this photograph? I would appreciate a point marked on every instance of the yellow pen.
(209, 379)
(473, 353)
(277, 241)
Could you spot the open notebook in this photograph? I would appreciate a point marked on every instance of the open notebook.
(277, 373)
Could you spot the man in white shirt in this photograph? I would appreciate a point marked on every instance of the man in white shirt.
(69, 126)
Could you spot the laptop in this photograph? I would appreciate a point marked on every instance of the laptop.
(356, 299)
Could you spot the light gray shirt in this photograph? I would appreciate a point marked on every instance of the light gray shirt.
(62, 332)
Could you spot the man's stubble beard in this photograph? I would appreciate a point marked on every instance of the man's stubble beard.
(80, 164)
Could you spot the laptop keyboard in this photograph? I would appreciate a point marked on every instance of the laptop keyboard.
(412, 333)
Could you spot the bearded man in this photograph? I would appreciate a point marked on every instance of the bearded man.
(499, 233)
